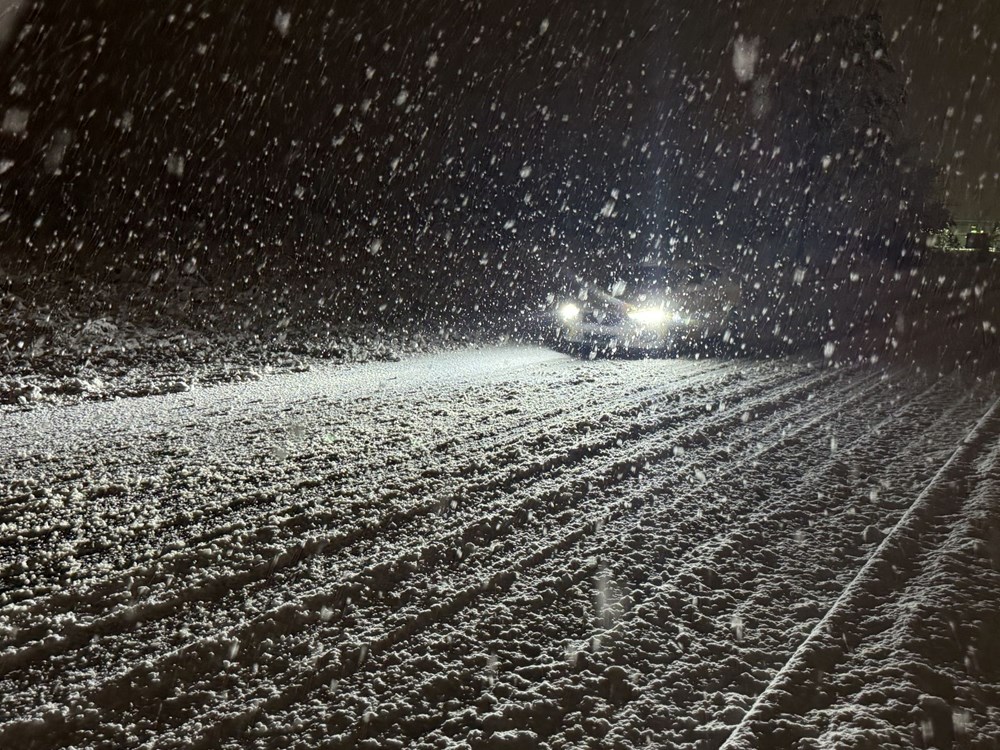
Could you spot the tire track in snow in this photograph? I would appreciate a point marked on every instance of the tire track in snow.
(781, 396)
(786, 572)
(871, 581)
(497, 584)
(191, 559)
(30, 526)
(307, 499)
(699, 554)
(371, 609)
(931, 644)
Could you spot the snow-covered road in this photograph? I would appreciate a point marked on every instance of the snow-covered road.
(506, 548)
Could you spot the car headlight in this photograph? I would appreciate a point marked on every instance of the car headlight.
(569, 311)
(648, 316)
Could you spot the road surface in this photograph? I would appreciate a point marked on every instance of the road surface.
(507, 548)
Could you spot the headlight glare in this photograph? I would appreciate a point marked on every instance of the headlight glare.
(648, 316)
(569, 311)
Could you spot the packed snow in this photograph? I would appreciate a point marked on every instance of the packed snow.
(502, 548)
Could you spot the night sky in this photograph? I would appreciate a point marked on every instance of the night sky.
(950, 53)
(953, 60)
(567, 93)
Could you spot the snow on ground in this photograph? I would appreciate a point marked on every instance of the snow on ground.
(65, 341)
(502, 548)
(94, 344)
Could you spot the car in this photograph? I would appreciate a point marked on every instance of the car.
(651, 307)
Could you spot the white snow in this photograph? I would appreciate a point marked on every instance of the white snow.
(746, 53)
(497, 547)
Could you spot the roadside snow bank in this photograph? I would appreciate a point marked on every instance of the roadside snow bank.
(68, 352)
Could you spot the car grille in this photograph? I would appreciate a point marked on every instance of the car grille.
(603, 317)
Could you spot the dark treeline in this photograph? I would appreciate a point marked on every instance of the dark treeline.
(412, 147)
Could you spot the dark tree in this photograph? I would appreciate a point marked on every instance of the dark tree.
(833, 168)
